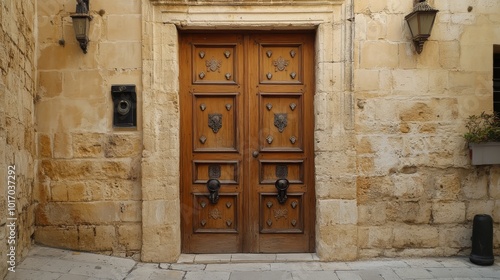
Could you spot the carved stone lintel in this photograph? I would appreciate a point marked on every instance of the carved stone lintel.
(215, 122)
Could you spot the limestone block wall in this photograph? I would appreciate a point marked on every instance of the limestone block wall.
(416, 190)
(88, 191)
(17, 131)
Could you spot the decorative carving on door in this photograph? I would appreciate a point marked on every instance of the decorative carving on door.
(213, 65)
(280, 64)
(215, 122)
(280, 218)
(280, 121)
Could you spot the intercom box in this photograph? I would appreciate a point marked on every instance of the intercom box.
(124, 105)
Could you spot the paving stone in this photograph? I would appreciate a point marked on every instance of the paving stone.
(295, 257)
(361, 265)
(100, 271)
(187, 267)
(238, 258)
(294, 266)
(452, 272)
(27, 274)
(34, 262)
(167, 274)
(413, 273)
(186, 258)
(316, 275)
(334, 266)
(348, 275)
(424, 263)
(207, 275)
(263, 275)
(213, 258)
(239, 267)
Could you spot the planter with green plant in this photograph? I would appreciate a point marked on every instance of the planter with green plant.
(483, 136)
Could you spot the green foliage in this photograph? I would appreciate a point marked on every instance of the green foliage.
(483, 128)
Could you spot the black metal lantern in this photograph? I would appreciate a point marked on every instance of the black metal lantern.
(81, 23)
(420, 22)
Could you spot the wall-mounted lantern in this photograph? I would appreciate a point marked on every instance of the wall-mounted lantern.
(420, 22)
(81, 23)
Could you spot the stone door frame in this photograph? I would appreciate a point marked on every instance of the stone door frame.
(336, 233)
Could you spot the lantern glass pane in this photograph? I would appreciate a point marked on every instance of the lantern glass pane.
(80, 24)
(413, 24)
(426, 21)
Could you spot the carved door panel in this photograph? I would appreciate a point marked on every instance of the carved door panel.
(247, 130)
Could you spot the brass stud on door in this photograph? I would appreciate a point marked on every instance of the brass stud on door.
(294, 204)
(228, 204)
(269, 204)
(269, 106)
(294, 223)
(269, 222)
(203, 204)
(203, 223)
(202, 75)
(292, 53)
(293, 106)
(203, 139)
(203, 107)
(269, 53)
(269, 139)
(269, 76)
(293, 75)
(293, 139)
(229, 223)
(201, 54)
(228, 107)
(228, 76)
(227, 54)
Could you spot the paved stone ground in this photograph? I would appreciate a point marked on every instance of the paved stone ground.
(47, 263)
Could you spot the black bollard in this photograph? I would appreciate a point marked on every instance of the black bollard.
(482, 240)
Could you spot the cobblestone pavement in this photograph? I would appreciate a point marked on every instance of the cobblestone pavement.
(47, 263)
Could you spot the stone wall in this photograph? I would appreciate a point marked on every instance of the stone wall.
(416, 190)
(17, 131)
(89, 173)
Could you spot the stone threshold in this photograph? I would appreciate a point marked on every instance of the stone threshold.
(246, 258)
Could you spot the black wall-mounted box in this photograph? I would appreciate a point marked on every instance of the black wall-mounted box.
(124, 105)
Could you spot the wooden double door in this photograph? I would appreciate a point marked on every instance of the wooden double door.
(247, 130)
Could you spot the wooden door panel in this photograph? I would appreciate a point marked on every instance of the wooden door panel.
(227, 172)
(214, 64)
(280, 63)
(215, 122)
(281, 122)
(272, 170)
(215, 218)
(279, 217)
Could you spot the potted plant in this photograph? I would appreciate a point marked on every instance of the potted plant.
(483, 136)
